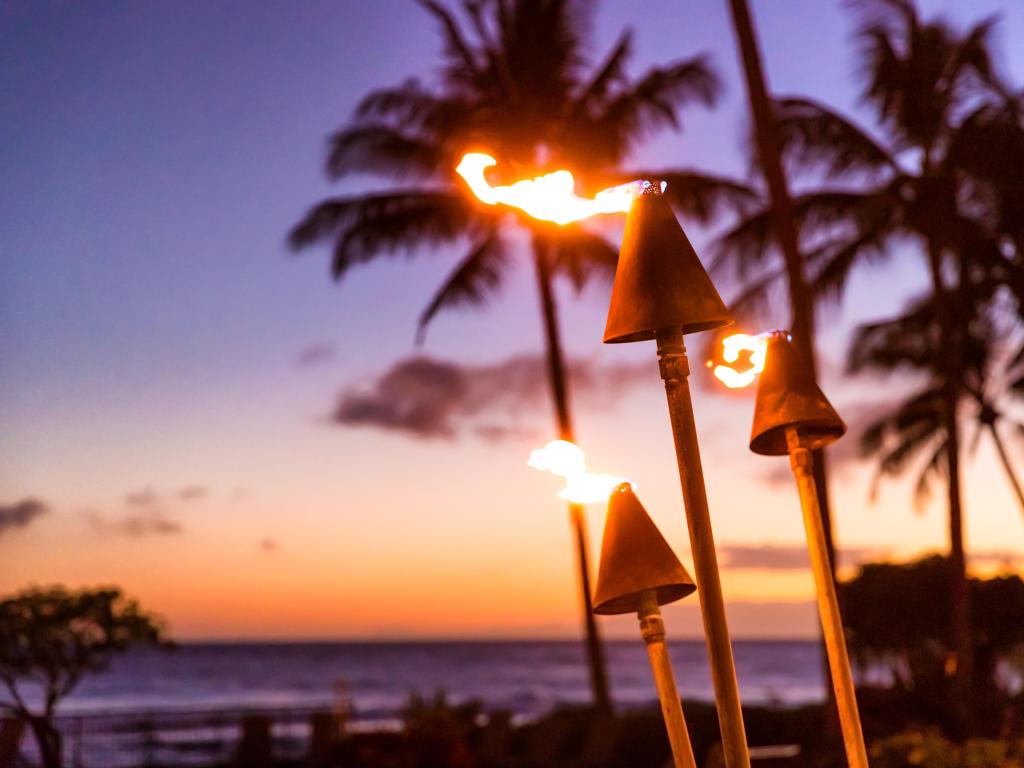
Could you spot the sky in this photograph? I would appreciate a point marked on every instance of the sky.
(171, 376)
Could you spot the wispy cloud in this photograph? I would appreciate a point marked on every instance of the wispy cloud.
(21, 514)
(996, 557)
(137, 525)
(146, 512)
(316, 354)
(146, 498)
(192, 492)
(428, 398)
(268, 545)
(785, 557)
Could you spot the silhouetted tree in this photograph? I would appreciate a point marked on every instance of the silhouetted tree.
(515, 81)
(988, 394)
(986, 376)
(898, 618)
(926, 81)
(50, 638)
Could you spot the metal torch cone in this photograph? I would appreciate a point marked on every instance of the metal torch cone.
(793, 416)
(661, 291)
(639, 572)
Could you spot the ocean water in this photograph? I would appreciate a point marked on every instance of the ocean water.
(377, 679)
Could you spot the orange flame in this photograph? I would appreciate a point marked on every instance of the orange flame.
(566, 459)
(732, 347)
(551, 197)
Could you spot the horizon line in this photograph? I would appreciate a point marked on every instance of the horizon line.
(441, 640)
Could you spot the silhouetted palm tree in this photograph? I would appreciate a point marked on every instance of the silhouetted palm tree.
(915, 432)
(1000, 385)
(515, 82)
(926, 81)
(916, 427)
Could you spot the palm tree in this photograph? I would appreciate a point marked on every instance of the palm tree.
(925, 80)
(915, 341)
(516, 82)
(916, 426)
(987, 393)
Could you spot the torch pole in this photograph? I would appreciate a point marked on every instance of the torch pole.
(652, 630)
(675, 371)
(828, 603)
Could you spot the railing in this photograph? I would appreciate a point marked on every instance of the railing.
(181, 738)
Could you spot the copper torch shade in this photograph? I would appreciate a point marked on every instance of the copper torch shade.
(635, 558)
(660, 283)
(788, 397)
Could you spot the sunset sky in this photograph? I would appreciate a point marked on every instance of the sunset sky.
(169, 372)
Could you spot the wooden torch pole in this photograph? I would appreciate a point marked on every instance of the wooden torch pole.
(828, 603)
(652, 629)
(675, 371)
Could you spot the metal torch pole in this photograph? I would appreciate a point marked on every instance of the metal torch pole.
(828, 603)
(674, 370)
(652, 629)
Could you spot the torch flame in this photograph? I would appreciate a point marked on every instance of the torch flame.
(565, 459)
(551, 197)
(732, 346)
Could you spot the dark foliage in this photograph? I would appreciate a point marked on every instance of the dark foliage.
(898, 618)
(50, 638)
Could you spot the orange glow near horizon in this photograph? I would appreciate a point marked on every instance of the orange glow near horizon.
(566, 459)
(732, 347)
(551, 197)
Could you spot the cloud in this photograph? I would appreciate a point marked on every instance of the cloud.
(145, 499)
(784, 557)
(136, 525)
(427, 398)
(268, 545)
(21, 514)
(146, 513)
(192, 492)
(996, 557)
(316, 354)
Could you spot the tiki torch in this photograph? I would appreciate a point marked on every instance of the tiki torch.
(638, 573)
(662, 292)
(793, 416)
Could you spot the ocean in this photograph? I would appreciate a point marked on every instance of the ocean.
(375, 680)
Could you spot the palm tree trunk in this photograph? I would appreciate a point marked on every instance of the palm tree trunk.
(560, 394)
(1005, 459)
(800, 300)
(960, 597)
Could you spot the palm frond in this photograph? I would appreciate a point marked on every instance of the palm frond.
(932, 467)
(746, 245)
(580, 254)
(844, 215)
(474, 279)
(463, 66)
(650, 104)
(816, 137)
(595, 92)
(971, 60)
(834, 261)
(383, 150)
(898, 436)
(755, 302)
(411, 107)
(908, 340)
(365, 226)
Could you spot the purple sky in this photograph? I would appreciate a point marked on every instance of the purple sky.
(153, 157)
